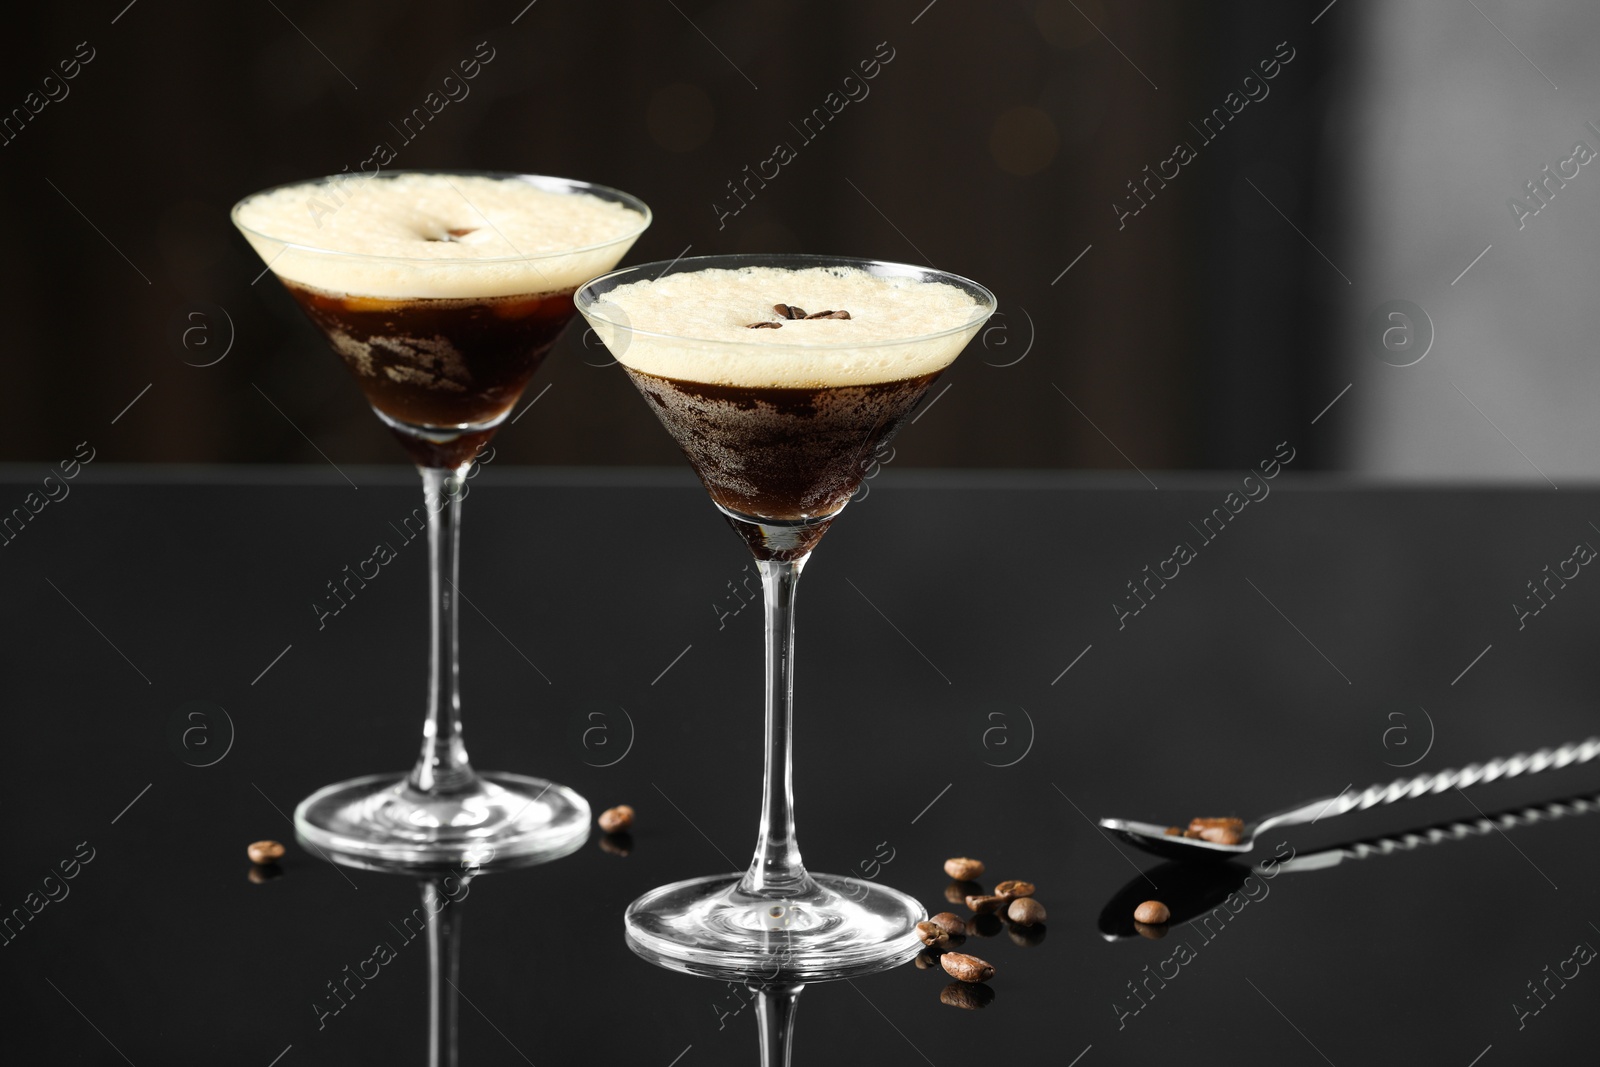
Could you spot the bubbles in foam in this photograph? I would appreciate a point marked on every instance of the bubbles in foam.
(436, 235)
(708, 312)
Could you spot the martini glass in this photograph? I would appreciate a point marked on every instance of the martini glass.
(442, 292)
(780, 417)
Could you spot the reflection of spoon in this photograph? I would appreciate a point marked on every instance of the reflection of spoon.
(1190, 890)
(1155, 839)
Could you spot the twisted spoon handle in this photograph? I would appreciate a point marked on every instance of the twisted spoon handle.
(1410, 788)
(1453, 831)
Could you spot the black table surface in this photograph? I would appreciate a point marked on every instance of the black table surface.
(966, 687)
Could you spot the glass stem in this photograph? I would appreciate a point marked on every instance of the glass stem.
(777, 869)
(443, 767)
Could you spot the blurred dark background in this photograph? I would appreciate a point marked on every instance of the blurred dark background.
(993, 143)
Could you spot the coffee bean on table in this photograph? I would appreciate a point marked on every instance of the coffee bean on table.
(985, 905)
(1026, 911)
(617, 819)
(950, 923)
(264, 852)
(966, 968)
(1012, 888)
(932, 935)
(963, 868)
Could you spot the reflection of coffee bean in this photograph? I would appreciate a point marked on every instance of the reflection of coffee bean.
(958, 892)
(616, 844)
(926, 960)
(1028, 936)
(963, 868)
(970, 997)
(965, 968)
(262, 873)
(1154, 933)
(984, 925)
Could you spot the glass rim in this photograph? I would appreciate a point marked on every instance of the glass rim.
(586, 298)
(547, 182)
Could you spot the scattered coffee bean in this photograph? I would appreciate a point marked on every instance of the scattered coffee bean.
(789, 311)
(969, 997)
(829, 315)
(932, 935)
(1026, 936)
(986, 905)
(1154, 933)
(1191, 833)
(1223, 823)
(958, 892)
(950, 923)
(966, 968)
(764, 326)
(1011, 889)
(1025, 910)
(1174, 831)
(963, 868)
(617, 819)
(1151, 912)
(1220, 835)
(264, 852)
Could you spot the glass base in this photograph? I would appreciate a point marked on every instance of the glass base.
(503, 816)
(844, 926)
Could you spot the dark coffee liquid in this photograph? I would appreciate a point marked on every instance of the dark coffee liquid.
(781, 457)
(442, 365)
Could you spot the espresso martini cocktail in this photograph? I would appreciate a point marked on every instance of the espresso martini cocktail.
(779, 376)
(442, 293)
(779, 404)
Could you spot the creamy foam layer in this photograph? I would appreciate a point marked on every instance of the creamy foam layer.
(708, 313)
(436, 235)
